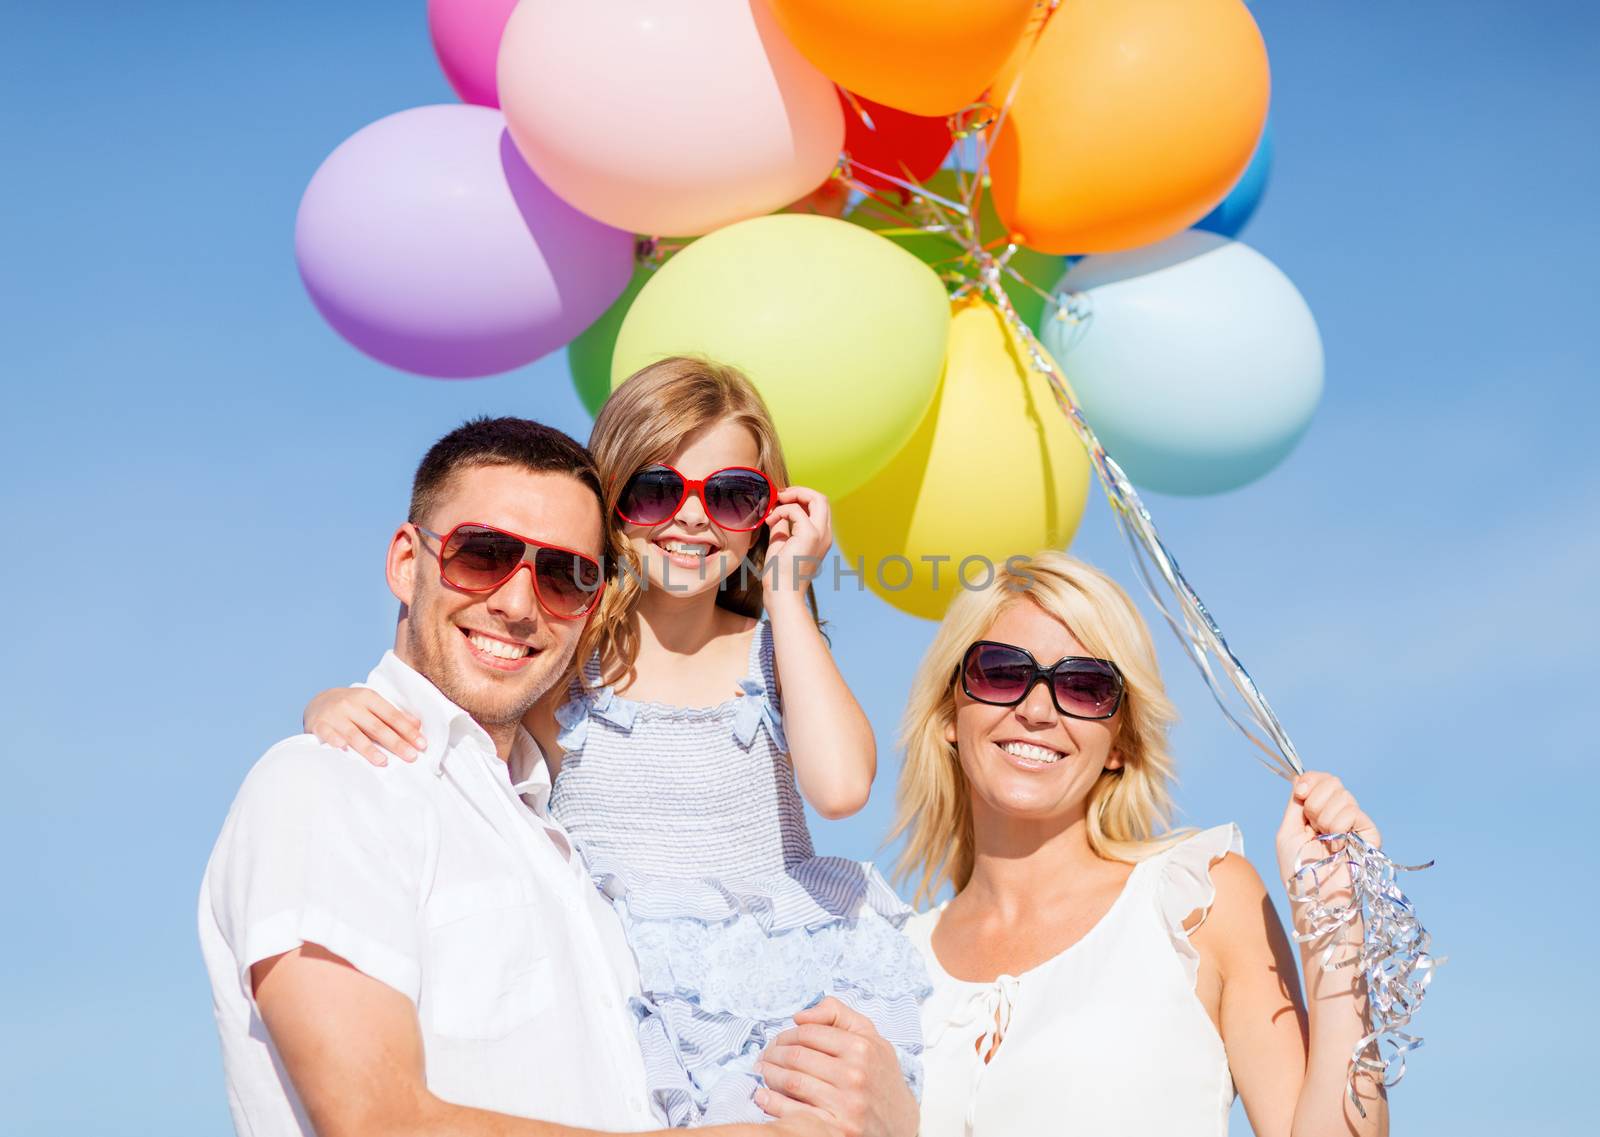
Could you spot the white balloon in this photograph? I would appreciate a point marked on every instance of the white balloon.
(1199, 364)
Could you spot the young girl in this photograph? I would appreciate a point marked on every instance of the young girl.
(679, 752)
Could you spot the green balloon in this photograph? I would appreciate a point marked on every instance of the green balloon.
(842, 333)
(944, 253)
(589, 355)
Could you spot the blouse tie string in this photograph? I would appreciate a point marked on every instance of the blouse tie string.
(992, 1006)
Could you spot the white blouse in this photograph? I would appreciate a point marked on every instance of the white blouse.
(1107, 1038)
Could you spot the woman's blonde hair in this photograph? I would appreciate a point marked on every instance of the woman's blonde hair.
(643, 423)
(1128, 807)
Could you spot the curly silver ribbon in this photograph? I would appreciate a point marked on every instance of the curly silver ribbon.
(1393, 956)
(1391, 952)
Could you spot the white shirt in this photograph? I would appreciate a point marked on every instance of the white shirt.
(447, 880)
(1106, 1038)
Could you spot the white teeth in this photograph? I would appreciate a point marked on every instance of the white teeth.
(685, 548)
(1027, 750)
(497, 648)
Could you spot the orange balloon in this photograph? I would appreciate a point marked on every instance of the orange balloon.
(929, 57)
(1131, 120)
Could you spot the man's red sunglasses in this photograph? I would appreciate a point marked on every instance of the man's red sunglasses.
(480, 558)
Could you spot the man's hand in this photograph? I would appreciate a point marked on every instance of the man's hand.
(835, 1063)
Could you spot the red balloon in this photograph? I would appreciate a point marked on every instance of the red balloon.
(897, 142)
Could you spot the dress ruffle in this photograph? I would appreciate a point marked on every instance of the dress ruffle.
(1185, 886)
(724, 966)
(811, 893)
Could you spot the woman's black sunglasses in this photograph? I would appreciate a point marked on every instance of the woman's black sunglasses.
(1002, 675)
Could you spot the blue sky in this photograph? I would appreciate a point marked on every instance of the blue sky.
(1412, 587)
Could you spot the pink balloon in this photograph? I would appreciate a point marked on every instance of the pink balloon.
(666, 118)
(466, 38)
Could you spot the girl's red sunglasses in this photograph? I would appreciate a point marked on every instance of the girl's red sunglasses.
(736, 498)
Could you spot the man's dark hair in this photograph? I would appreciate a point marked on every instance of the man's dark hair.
(502, 441)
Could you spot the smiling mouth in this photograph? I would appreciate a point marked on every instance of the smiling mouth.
(502, 654)
(689, 554)
(1032, 752)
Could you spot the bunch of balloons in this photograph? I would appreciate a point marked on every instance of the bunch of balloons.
(816, 191)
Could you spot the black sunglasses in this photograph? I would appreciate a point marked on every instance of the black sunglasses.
(1002, 675)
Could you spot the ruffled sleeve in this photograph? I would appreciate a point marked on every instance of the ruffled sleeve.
(1185, 885)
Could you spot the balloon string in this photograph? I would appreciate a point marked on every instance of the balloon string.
(1192, 623)
(1393, 956)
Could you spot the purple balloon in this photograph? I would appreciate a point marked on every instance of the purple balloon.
(427, 242)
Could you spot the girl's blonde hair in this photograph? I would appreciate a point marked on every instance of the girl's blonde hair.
(1128, 807)
(643, 423)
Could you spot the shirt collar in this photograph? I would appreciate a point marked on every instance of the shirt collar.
(444, 724)
(530, 774)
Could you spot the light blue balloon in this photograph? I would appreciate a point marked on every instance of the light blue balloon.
(1231, 216)
(1196, 360)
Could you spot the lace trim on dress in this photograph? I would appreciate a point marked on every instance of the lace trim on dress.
(812, 893)
(724, 965)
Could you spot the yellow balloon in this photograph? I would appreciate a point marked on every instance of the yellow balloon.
(841, 331)
(994, 471)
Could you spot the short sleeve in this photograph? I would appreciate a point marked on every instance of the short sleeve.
(318, 849)
(1185, 884)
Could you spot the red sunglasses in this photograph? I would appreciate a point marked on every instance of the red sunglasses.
(480, 558)
(736, 498)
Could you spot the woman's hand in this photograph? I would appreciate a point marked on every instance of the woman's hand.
(1335, 998)
(802, 534)
(360, 719)
(1319, 804)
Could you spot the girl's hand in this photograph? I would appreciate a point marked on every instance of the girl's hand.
(802, 534)
(1319, 804)
(360, 719)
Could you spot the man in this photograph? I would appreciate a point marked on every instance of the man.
(416, 948)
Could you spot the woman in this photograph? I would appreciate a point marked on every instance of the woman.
(1093, 974)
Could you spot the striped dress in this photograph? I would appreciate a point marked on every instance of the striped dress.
(692, 824)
